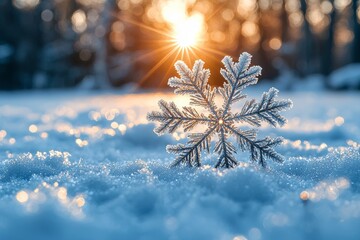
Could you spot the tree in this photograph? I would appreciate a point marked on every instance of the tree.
(306, 48)
(328, 46)
(356, 31)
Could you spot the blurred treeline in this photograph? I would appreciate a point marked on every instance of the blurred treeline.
(100, 44)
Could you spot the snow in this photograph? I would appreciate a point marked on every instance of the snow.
(347, 77)
(87, 165)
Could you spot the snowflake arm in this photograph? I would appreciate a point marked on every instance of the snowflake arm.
(264, 150)
(195, 83)
(189, 154)
(225, 150)
(260, 150)
(171, 118)
(268, 110)
(238, 76)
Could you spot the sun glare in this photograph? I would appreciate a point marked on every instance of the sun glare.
(185, 36)
(188, 32)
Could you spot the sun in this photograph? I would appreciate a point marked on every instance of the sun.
(184, 36)
(185, 40)
(187, 33)
(186, 29)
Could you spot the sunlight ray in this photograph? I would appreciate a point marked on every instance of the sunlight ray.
(165, 78)
(156, 66)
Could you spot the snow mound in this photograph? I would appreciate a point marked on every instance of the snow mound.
(88, 167)
(347, 77)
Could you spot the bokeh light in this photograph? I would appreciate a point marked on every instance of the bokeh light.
(25, 4)
(104, 42)
(22, 197)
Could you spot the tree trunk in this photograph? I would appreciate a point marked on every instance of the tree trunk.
(327, 56)
(356, 31)
(102, 79)
(269, 70)
(284, 23)
(306, 48)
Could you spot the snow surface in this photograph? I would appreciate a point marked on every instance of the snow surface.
(347, 77)
(86, 165)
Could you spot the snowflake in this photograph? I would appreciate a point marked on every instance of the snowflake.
(220, 121)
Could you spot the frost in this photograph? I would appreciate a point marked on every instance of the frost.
(220, 121)
(119, 187)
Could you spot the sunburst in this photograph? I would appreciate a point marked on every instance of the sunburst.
(185, 38)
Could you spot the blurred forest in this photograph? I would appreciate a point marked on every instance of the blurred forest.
(103, 44)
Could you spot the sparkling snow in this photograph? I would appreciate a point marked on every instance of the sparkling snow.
(87, 165)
